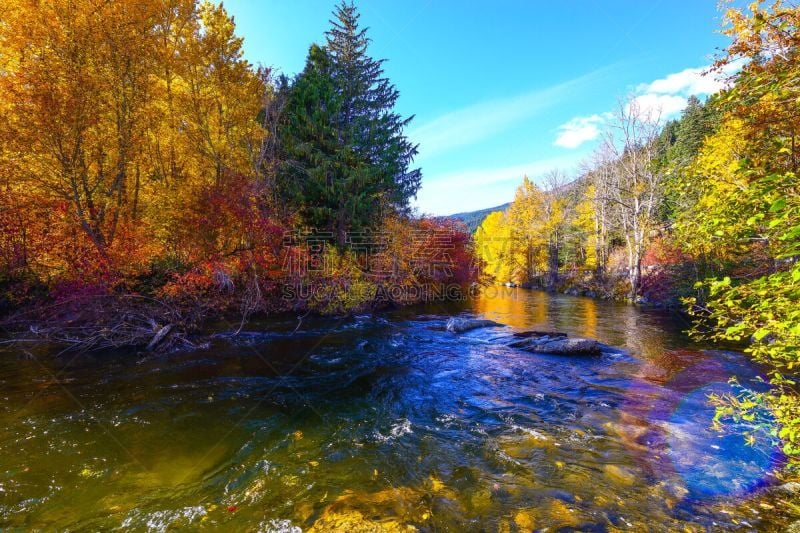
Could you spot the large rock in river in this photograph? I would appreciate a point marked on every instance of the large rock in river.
(565, 346)
(460, 325)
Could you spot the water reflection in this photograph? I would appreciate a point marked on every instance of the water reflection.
(516, 308)
(588, 309)
(646, 334)
(664, 418)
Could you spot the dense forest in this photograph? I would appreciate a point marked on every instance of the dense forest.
(700, 213)
(151, 176)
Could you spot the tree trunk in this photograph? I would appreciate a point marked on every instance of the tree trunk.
(599, 248)
(341, 230)
(636, 273)
(631, 270)
(552, 263)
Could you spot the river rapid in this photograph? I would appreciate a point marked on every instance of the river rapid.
(387, 422)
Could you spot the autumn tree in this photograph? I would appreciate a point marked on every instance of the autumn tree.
(77, 80)
(219, 138)
(632, 182)
(597, 172)
(584, 229)
(553, 221)
(120, 115)
(525, 244)
(530, 242)
(678, 145)
(495, 248)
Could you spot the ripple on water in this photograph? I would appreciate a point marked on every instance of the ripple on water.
(158, 521)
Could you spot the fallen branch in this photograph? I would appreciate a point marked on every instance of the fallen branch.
(101, 322)
(158, 337)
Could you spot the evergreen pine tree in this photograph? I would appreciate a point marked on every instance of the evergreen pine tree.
(346, 158)
(698, 121)
(310, 146)
(683, 139)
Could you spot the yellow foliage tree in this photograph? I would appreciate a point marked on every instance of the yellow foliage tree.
(586, 228)
(118, 115)
(525, 218)
(716, 180)
(494, 247)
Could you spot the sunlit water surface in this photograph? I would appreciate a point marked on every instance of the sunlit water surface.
(385, 419)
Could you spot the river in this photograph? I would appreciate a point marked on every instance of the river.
(385, 418)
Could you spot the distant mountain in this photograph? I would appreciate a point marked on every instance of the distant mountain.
(473, 219)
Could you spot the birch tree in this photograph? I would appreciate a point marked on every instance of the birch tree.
(632, 185)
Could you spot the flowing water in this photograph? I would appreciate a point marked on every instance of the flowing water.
(388, 420)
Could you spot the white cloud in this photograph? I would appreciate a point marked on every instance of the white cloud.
(669, 95)
(659, 105)
(664, 98)
(479, 121)
(578, 131)
(699, 81)
(690, 81)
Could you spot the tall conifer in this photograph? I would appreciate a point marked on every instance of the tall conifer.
(346, 156)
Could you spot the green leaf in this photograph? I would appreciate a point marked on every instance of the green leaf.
(777, 205)
(760, 334)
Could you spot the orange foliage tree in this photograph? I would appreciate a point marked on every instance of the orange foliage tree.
(118, 119)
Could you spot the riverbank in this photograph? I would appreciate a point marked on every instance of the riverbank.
(103, 320)
(662, 286)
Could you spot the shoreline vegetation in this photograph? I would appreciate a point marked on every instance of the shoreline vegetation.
(152, 180)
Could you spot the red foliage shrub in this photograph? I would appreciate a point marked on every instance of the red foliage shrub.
(450, 249)
(658, 285)
(228, 218)
(662, 252)
(27, 230)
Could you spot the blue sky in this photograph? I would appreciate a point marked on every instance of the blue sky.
(505, 88)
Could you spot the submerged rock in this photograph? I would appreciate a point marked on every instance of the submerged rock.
(620, 475)
(535, 338)
(536, 341)
(546, 342)
(391, 510)
(555, 342)
(355, 522)
(460, 325)
(565, 346)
